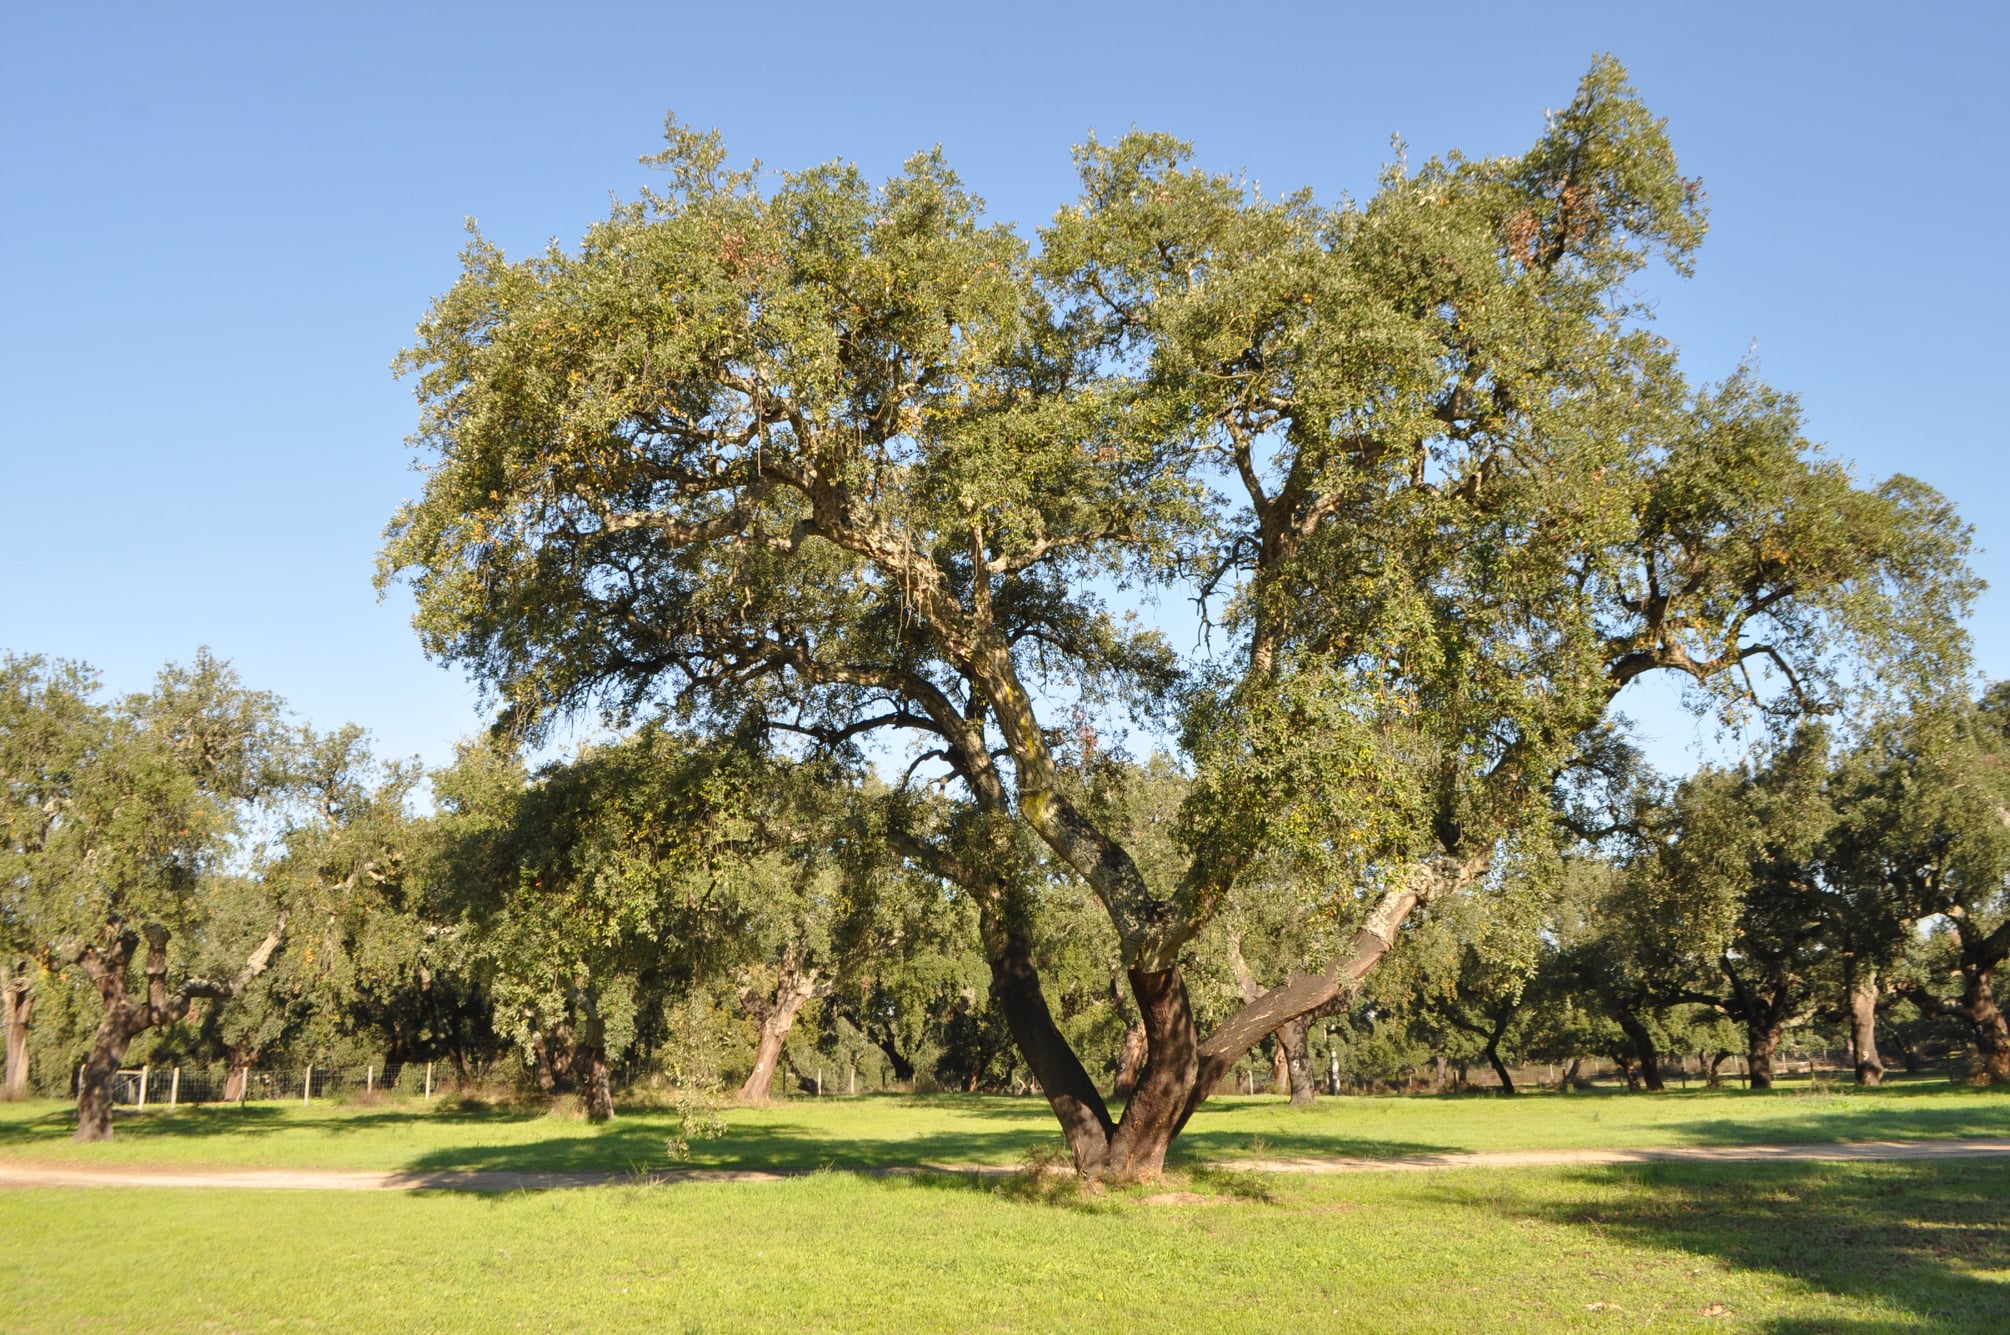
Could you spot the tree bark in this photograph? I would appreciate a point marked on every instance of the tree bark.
(1169, 1086)
(1714, 1078)
(1992, 1032)
(1863, 993)
(1644, 1051)
(1762, 1040)
(104, 962)
(1130, 1060)
(1280, 1065)
(589, 1060)
(776, 1013)
(237, 1083)
(1493, 1057)
(1295, 1040)
(17, 1012)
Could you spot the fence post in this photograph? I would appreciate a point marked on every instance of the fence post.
(369, 1079)
(144, 1068)
(174, 1089)
(429, 1080)
(307, 1083)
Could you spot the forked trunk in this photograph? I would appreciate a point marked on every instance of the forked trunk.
(1714, 1077)
(1761, 1042)
(1863, 1029)
(776, 1013)
(104, 962)
(17, 1011)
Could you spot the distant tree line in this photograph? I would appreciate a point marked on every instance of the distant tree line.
(192, 878)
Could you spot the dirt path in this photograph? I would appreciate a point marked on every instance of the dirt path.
(26, 1173)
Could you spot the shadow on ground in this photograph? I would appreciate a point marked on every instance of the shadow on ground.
(1929, 1239)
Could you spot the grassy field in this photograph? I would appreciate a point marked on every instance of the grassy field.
(873, 1132)
(1867, 1247)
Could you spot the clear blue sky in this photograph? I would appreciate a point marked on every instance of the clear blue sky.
(221, 222)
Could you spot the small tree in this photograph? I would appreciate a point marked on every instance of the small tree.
(118, 819)
(1926, 838)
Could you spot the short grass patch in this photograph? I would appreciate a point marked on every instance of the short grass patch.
(1772, 1247)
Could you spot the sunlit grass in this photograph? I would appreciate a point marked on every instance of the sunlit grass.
(1804, 1247)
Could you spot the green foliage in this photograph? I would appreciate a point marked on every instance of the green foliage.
(844, 457)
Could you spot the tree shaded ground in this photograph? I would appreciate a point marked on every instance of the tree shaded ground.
(898, 1131)
(1777, 1248)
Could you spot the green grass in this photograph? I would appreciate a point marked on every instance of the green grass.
(1774, 1247)
(1860, 1247)
(949, 1129)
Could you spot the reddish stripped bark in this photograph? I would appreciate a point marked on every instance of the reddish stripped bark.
(775, 1012)
(17, 1012)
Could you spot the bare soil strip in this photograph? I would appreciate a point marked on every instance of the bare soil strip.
(22, 1173)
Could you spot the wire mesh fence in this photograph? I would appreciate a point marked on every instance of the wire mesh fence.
(173, 1086)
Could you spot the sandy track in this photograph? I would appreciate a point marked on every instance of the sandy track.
(29, 1173)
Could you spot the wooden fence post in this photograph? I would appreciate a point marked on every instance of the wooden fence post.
(307, 1083)
(369, 1079)
(429, 1080)
(144, 1068)
(174, 1089)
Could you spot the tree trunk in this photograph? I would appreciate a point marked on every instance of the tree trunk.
(597, 1092)
(1168, 1086)
(1644, 1050)
(776, 1013)
(105, 962)
(1714, 1079)
(1992, 1032)
(1762, 1040)
(237, 1084)
(1296, 1042)
(1570, 1076)
(552, 1060)
(17, 1011)
(1500, 1068)
(1280, 1065)
(1863, 1028)
(1129, 1060)
(94, 1091)
(589, 1060)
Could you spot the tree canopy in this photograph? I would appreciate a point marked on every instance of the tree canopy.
(838, 459)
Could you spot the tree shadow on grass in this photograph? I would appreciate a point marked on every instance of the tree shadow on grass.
(207, 1121)
(642, 1143)
(1932, 1238)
